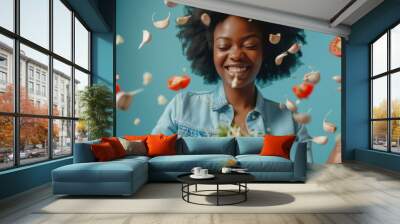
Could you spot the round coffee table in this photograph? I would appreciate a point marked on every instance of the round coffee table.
(238, 179)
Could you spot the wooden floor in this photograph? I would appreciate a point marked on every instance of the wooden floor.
(380, 189)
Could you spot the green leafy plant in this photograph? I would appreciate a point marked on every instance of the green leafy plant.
(96, 102)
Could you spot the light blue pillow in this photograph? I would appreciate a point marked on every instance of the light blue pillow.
(249, 145)
(206, 145)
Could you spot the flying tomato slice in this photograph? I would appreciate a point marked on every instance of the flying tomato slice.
(303, 90)
(335, 47)
(177, 83)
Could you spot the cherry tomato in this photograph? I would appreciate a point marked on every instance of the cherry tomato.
(335, 47)
(177, 83)
(303, 90)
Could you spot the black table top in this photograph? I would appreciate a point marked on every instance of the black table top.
(220, 178)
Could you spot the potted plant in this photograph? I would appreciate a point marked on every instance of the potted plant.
(96, 102)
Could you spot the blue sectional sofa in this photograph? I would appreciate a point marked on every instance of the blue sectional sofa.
(125, 176)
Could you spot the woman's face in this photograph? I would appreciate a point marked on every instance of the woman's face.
(237, 51)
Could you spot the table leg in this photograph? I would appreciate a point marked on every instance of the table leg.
(245, 193)
(217, 194)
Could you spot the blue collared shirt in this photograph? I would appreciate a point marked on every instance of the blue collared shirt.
(200, 114)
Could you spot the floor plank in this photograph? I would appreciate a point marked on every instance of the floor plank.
(376, 189)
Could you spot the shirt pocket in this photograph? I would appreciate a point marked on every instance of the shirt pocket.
(186, 130)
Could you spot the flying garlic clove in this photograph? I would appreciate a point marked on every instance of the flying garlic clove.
(136, 121)
(312, 77)
(146, 38)
(337, 78)
(161, 24)
(291, 106)
(234, 82)
(274, 38)
(124, 99)
(328, 126)
(170, 4)
(321, 140)
(339, 89)
(205, 19)
(162, 100)
(119, 40)
(279, 58)
(182, 20)
(302, 118)
(117, 76)
(294, 48)
(147, 78)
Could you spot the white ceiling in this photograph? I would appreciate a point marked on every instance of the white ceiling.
(324, 16)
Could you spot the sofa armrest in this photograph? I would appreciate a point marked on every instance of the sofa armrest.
(300, 162)
(83, 152)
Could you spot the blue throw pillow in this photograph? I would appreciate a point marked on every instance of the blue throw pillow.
(249, 145)
(206, 145)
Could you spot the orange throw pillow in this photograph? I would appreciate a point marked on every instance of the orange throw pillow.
(277, 145)
(161, 145)
(136, 138)
(103, 151)
(116, 145)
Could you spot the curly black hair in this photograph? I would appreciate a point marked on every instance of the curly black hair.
(197, 45)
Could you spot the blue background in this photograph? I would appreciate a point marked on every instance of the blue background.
(163, 57)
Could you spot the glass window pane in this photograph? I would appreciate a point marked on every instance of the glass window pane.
(62, 89)
(379, 56)
(6, 74)
(379, 135)
(81, 45)
(62, 29)
(35, 21)
(7, 14)
(379, 97)
(395, 94)
(81, 81)
(81, 131)
(6, 142)
(395, 135)
(34, 97)
(33, 140)
(395, 47)
(62, 138)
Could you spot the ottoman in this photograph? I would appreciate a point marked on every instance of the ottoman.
(118, 177)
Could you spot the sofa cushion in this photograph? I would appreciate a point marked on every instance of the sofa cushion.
(257, 163)
(209, 145)
(111, 171)
(249, 145)
(185, 163)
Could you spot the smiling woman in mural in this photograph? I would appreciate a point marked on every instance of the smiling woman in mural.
(236, 53)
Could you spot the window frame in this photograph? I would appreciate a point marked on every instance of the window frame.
(16, 115)
(388, 74)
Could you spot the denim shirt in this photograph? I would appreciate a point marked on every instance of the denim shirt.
(199, 114)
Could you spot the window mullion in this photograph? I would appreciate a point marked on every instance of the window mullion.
(389, 104)
(73, 82)
(50, 87)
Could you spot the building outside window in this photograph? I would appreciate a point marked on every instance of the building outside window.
(59, 133)
(385, 94)
(30, 87)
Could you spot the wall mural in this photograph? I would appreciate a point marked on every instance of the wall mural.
(201, 73)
